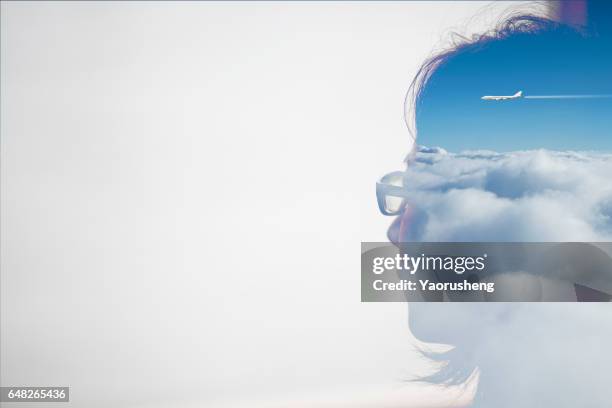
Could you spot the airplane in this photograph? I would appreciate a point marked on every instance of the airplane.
(517, 95)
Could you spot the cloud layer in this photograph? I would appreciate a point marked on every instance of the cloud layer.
(535, 195)
(529, 354)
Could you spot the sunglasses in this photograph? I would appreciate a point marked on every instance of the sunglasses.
(390, 193)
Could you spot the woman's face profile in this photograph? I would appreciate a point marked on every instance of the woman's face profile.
(546, 192)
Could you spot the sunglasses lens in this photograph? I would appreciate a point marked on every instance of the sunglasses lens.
(393, 204)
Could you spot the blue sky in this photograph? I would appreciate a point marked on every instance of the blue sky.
(453, 116)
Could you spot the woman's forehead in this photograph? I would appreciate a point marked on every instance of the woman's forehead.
(555, 77)
(576, 62)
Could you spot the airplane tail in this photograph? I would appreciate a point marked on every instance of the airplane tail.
(519, 93)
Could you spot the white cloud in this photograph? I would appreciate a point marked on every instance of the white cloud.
(529, 354)
(536, 195)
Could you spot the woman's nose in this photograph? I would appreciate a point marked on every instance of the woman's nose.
(400, 227)
(393, 231)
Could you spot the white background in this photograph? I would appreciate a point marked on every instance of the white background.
(185, 187)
